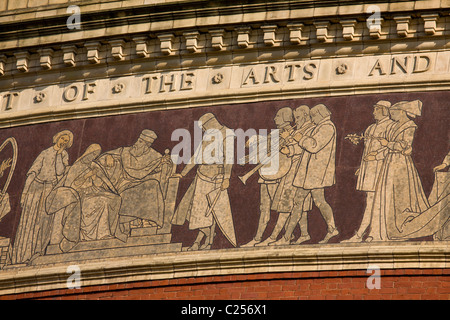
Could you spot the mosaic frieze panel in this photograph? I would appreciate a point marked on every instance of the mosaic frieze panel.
(356, 169)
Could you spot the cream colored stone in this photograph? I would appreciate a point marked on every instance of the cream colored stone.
(191, 41)
(430, 23)
(141, 27)
(166, 42)
(350, 9)
(348, 29)
(233, 18)
(277, 15)
(217, 36)
(208, 21)
(420, 5)
(16, 4)
(295, 32)
(322, 30)
(300, 14)
(22, 60)
(243, 36)
(320, 11)
(269, 32)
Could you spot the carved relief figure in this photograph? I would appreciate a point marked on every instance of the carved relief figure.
(285, 201)
(371, 162)
(316, 170)
(269, 184)
(102, 194)
(206, 203)
(9, 163)
(34, 230)
(401, 207)
(136, 173)
(439, 197)
(84, 206)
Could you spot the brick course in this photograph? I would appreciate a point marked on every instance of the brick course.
(401, 284)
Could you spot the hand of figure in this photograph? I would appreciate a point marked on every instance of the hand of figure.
(225, 184)
(284, 135)
(177, 175)
(357, 172)
(166, 159)
(284, 150)
(371, 156)
(297, 137)
(383, 142)
(5, 165)
(440, 167)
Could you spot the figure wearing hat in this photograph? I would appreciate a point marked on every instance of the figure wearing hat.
(270, 187)
(134, 173)
(398, 191)
(206, 203)
(371, 162)
(34, 230)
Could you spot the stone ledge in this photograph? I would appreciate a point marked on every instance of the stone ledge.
(220, 97)
(330, 257)
(173, 15)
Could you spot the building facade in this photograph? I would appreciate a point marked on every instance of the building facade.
(224, 149)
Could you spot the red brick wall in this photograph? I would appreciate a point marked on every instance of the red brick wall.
(404, 284)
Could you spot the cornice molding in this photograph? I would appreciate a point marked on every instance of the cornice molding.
(49, 26)
(393, 255)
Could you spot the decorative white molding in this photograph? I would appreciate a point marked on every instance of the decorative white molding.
(2, 64)
(22, 59)
(117, 48)
(240, 83)
(348, 29)
(69, 52)
(191, 38)
(430, 22)
(141, 46)
(375, 29)
(243, 36)
(217, 38)
(295, 32)
(166, 41)
(45, 59)
(322, 30)
(402, 25)
(93, 48)
(269, 34)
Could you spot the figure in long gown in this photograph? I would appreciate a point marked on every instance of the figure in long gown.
(400, 207)
(34, 230)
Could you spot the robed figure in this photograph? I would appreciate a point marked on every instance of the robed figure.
(439, 197)
(103, 193)
(371, 162)
(206, 203)
(83, 203)
(137, 175)
(34, 230)
(401, 208)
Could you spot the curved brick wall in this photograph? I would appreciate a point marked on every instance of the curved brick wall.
(401, 284)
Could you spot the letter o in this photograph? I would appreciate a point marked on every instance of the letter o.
(66, 95)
